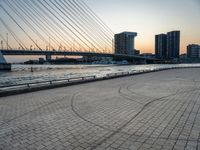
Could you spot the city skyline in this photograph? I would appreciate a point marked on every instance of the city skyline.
(167, 46)
(151, 18)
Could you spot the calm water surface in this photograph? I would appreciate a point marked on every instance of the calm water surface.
(22, 73)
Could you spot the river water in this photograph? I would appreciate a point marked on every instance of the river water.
(21, 74)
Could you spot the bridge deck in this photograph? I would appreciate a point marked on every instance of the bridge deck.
(151, 111)
(73, 53)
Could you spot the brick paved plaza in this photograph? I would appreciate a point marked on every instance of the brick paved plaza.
(150, 111)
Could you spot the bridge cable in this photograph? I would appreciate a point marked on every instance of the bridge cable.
(26, 22)
(89, 17)
(81, 18)
(92, 19)
(53, 22)
(64, 23)
(84, 19)
(44, 21)
(35, 19)
(79, 30)
(19, 26)
(97, 18)
(13, 35)
(74, 14)
(77, 24)
(5, 41)
(80, 27)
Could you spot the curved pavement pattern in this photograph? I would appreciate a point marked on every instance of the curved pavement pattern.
(150, 111)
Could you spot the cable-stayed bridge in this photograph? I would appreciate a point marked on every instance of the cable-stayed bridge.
(48, 54)
(54, 24)
(53, 27)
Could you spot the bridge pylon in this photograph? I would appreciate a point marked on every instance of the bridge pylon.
(3, 64)
(2, 59)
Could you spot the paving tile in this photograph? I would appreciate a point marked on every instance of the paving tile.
(158, 110)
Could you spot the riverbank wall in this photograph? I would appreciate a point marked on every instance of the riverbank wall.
(33, 87)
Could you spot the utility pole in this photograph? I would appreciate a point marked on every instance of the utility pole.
(112, 45)
(36, 42)
(2, 44)
(79, 47)
(105, 50)
(73, 47)
(49, 43)
(7, 40)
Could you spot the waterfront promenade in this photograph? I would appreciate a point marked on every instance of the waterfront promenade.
(159, 110)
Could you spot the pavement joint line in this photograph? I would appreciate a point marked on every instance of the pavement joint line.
(188, 118)
(155, 99)
(193, 126)
(156, 127)
(74, 110)
(157, 117)
(183, 125)
(119, 129)
(24, 114)
(126, 97)
(198, 142)
(160, 125)
(128, 89)
(145, 105)
(100, 126)
(177, 121)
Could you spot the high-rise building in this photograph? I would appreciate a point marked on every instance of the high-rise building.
(173, 44)
(161, 46)
(124, 43)
(193, 51)
(167, 46)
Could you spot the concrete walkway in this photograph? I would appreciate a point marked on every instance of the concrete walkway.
(150, 111)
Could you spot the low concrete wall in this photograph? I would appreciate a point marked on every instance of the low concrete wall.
(35, 88)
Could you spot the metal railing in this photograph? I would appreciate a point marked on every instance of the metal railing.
(71, 80)
(50, 82)
(132, 72)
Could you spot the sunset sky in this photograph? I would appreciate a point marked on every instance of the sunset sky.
(146, 17)
(150, 17)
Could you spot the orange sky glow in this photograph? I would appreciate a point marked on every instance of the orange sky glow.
(146, 17)
(149, 18)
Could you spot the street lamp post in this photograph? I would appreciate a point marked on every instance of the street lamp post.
(7, 40)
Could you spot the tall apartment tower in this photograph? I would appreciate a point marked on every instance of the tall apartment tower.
(161, 46)
(173, 44)
(124, 43)
(193, 51)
